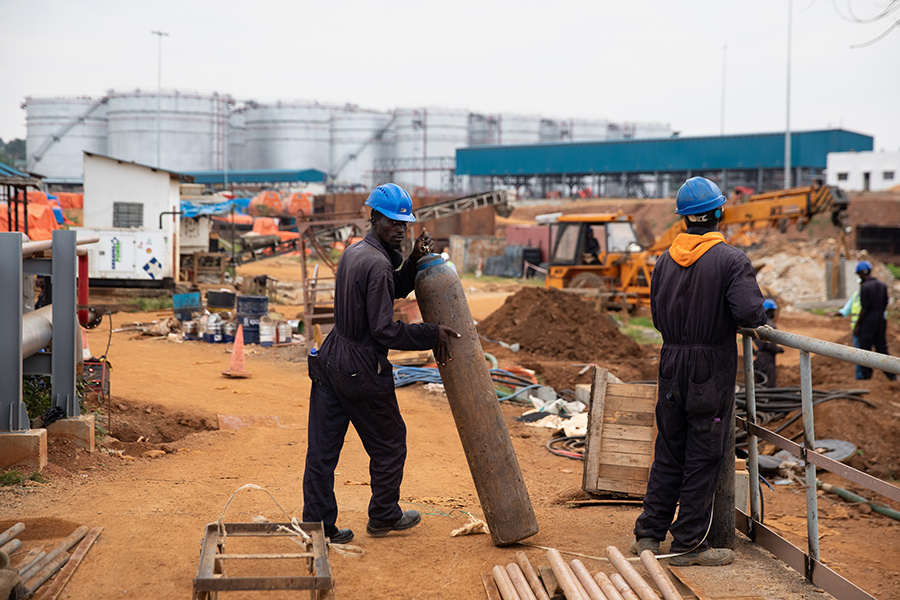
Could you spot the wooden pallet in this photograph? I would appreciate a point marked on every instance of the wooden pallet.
(620, 437)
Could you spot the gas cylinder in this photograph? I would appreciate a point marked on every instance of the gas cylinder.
(476, 410)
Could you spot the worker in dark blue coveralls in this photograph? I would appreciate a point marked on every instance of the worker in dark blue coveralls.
(764, 362)
(871, 327)
(352, 379)
(702, 290)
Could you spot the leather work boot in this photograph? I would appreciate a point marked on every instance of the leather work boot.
(639, 545)
(378, 528)
(711, 557)
(341, 536)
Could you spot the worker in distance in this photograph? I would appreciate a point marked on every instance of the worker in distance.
(702, 290)
(352, 378)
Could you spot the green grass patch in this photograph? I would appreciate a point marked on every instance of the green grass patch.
(15, 478)
(36, 394)
(533, 281)
(151, 304)
(822, 312)
(894, 269)
(642, 335)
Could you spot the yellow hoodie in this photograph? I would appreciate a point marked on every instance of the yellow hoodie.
(688, 248)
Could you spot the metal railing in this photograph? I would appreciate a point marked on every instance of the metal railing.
(808, 562)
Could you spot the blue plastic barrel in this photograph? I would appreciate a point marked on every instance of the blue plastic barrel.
(249, 310)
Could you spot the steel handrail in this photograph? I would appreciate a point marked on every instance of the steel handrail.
(814, 570)
(31, 248)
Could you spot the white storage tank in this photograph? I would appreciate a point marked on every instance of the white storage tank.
(63, 160)
(482, 129)
(518, 129)
(191, 129)
(646, 130)
(358, 139)
(425, 136)
(551, 130)
(237, 158)
(586, 130)
(288, 135)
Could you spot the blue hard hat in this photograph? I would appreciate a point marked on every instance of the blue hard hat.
(698, 195)
(392, 201)
(770, 305)
(863, 265)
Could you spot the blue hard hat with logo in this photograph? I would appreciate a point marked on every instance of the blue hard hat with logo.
(863, 265)
(392, 201)
(769, 304)
(698, 195)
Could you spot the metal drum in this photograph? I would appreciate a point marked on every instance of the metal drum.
(249, 311)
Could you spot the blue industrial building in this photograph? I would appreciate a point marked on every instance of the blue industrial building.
(651, 167)
(217, 179)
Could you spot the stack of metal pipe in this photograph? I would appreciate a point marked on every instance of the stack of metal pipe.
(519, 580)
(38, 565)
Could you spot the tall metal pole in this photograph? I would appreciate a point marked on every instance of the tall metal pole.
(724, 63)
(160, 34)
(787, 129)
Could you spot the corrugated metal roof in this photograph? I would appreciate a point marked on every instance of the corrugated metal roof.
(174, 174)
(710, 153)
(259, 176)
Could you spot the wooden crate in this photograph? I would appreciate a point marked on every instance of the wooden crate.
(620, 436)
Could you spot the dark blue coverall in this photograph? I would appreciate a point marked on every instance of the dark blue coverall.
(698, 309)
(352, 381)
(871, 327)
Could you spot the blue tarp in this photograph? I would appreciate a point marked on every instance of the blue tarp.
(192, 209)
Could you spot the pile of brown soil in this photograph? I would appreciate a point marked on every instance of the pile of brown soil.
(547, 322)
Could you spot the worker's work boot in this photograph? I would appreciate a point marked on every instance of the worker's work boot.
(341, 536)
(639, 545)
(378, 528)
(711, 557)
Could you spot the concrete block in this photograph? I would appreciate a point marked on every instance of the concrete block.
(583, 393)
(26, 448)
(79, 430)
(742, 490)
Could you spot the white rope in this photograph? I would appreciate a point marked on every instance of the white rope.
(295, 531)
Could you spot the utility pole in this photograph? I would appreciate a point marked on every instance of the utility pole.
(159, 34)
(787, 129)
(724, 63)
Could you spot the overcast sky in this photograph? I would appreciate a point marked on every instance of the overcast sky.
(623, 60)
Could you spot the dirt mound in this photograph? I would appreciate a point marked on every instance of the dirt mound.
(551, 323)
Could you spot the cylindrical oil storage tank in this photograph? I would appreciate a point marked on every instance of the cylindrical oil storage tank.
(63, 160)
(482, 129)
(351, 130)
(518, 129)
(476, 410)
(191, 129)
(585, 130)
(288, 135)
(237, 157)
(550, 131)
(425, 136)
(650, 130)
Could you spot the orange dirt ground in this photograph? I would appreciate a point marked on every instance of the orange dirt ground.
(154, 511)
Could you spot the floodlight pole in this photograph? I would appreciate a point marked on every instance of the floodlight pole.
(787, 130)
(159, 34)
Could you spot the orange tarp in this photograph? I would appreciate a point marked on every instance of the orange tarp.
(269, 226)
(41, 221)
(237, 219)
(298, 204)
(265, 204)
(70, 200)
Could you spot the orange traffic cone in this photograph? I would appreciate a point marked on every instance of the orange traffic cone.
(236, 370)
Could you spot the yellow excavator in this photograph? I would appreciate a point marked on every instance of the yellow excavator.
(601, 251)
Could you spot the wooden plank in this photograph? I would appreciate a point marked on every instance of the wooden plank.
(680, 576)
(263, 556)
(593, 441)
(550, 583)
(490, 588)
(629, 473)
(52, 590)
(628, 432)
(628, 447)
(628, 417)
(631, 390)
(625, 460)
(647, 405)
(634, 488)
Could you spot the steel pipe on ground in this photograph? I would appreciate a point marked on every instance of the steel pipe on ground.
(504, 583)
(623, 587)
(47, 572)
(519, 582)
(665, 585)
(609, 589)
(531, 575)
(10, 547)
(634, 579)
(587, 582)
(11, 533)
(565, 577)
